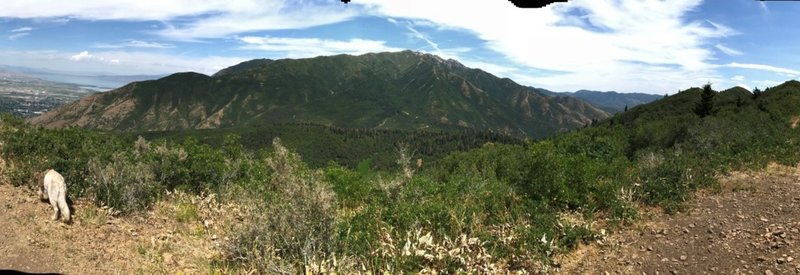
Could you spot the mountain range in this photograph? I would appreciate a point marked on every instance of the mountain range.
(398, 90)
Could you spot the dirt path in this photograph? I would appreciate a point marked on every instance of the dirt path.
(751, 227)
(31, 242)
(96, 243)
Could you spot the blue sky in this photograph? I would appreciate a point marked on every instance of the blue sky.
(647, 46)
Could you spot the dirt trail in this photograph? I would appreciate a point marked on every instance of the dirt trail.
(751, 227)
(31, 242)
(96, 243)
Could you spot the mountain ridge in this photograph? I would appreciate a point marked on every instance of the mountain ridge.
(392, 90)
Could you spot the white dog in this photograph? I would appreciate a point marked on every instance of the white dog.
(54, 189)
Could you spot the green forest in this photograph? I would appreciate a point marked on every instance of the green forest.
(479, 203)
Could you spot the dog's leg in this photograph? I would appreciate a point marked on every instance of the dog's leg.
(62, 205)
(54, 204)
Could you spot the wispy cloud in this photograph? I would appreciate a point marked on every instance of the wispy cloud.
(728, 50)
(20, 32)
(763, 7)
(133, 44)
(190, 19)
(785, 71)
(618, 51)
(18, 35)
(310, 47)
(22, 29)
(418, 35)
(738, 78)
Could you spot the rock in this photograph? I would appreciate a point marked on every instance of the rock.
(768, 272)
(649, 248)
(789, 259)
(683, 257)
(167, 258)
(780, 260)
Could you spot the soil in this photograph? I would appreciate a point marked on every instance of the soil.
(31, 242)
(147, 243)
(751, 226)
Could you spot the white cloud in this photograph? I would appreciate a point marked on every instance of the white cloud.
(134, 44)
(418, 35)
(86, 56)
(739, 78)
(624, 45)
(81, 56)
(20, 32)
(728, 50)
(619, 51)
(310, 47)
(783, 71)
(18, 35)
(22, 29)
(196, 19)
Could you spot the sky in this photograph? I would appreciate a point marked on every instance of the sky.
(649, 46)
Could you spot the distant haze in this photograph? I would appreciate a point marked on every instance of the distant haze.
(89, 81)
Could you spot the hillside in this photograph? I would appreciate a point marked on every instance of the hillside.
(751, 226)
(497, 208)
(400, 90)
(614, 102)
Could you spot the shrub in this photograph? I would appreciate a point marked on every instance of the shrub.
(291, 221)
(124, 183)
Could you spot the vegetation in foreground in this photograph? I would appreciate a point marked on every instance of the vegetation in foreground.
(499, 207)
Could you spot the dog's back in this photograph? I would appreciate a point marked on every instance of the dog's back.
(56, 190)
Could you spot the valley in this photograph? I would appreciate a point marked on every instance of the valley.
(27, 96)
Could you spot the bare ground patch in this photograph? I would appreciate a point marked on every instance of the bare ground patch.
(160, 241)
(751, 227)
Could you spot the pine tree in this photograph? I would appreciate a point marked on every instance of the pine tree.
(706, 105)
(626, 108)
(756, 93)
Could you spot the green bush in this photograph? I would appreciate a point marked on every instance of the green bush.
(291, 220)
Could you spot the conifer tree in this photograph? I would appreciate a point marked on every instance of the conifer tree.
(706, 105)
(756, 93)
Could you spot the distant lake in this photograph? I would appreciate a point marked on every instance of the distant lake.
(92, 82)
(88, 82)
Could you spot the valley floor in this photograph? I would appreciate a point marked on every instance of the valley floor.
(751, 227)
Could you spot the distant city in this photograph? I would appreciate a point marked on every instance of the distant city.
(27, 92)
(26, 96)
